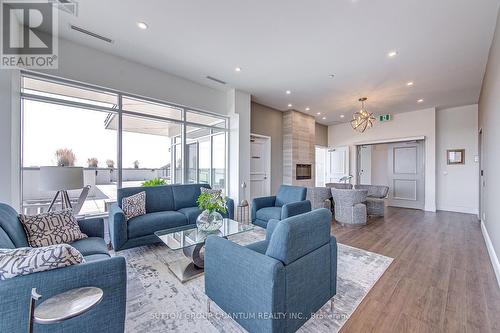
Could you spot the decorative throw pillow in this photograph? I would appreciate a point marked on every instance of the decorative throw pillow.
(216, 193)
(27, 260)
(134, 205)
(51, 228)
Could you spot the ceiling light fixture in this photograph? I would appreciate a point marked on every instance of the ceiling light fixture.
(331, 76)
(142, 25)
(308, 108)
(342, 116)
(392, 54)
(288, 92)
(362, 119)
(420, 100)
(290, 105)
(237, 69)
(318, 113)
(324, 118)
(409, 84)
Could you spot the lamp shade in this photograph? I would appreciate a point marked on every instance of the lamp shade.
(55, 178)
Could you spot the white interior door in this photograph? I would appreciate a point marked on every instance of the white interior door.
(260, 166)
(320, 163)
(365, 165)
(406, 174)
(337, 164)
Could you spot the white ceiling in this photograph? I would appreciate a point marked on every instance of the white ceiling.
(295, 44)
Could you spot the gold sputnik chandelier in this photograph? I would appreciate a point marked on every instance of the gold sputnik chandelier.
(362, 119)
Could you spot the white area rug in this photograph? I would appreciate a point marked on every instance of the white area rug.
(158, 302)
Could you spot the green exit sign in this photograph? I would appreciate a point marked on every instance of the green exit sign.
(384, 117)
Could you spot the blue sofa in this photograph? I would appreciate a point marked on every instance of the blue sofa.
(99, 270)
(289, 201)
(167, 206)
(275, 285)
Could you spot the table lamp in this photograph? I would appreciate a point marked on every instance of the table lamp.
(61, 179)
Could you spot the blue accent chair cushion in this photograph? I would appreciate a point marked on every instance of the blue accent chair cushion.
(289, 201)
(167, 206)
(99, 270)
(269, 213)
(289, 276)
(288, 194)
(90, 246)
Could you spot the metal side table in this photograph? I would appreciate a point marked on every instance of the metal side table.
(64, 306)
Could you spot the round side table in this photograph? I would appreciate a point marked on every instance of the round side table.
(67, 305)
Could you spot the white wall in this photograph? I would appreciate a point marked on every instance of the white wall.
(457, 185)
(10, 124)
(91, 66)
(238, 104)
(403, 125)
(489, 121)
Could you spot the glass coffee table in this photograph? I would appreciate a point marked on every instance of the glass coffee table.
(192, 242)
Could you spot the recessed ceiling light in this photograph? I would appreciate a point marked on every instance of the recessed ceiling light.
(324, 118)
(318, 113)
(331, 76)
(308, 108)
(342, 116)
(409, 83)
(420, 100)
(288, 92)
(392, 54)
(142, 25)
(237, 69)
(290, 105)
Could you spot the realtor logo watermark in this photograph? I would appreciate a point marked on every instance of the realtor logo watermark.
(29, 34)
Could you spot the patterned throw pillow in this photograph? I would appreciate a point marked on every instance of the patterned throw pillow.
(134, 205)
(217, 193)
(27, 260)
(51, 228)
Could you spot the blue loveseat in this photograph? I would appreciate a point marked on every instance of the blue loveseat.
(275, 285)
(289, 201)
(99, 270)
(167, 206)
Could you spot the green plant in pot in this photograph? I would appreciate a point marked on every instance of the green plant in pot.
(154, 182)
(212, 205)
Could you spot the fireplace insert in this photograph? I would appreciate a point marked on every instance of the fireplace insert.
(303, 171)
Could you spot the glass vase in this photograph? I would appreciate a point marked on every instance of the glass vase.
(209, 221)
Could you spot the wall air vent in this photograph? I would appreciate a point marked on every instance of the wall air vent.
(91, 34)
(67, 6)
(215, 80)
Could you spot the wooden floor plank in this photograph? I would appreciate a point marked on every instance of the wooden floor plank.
(441, 279)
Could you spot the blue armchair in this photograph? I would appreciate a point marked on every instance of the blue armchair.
(289, 201)
(277, 284)
(99, 270)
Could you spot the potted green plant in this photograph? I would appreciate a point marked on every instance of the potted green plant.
(212, 205)
(154, 182)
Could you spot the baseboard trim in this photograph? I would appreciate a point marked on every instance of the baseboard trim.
(491, 251)
(459, 209)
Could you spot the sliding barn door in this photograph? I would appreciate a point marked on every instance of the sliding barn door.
(406, 174)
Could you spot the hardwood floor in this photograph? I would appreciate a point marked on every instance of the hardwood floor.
(441, 279)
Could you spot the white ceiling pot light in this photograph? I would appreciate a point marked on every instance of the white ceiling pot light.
(142, 25)
(362, 119)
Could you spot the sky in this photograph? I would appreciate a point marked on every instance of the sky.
(48, 127)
